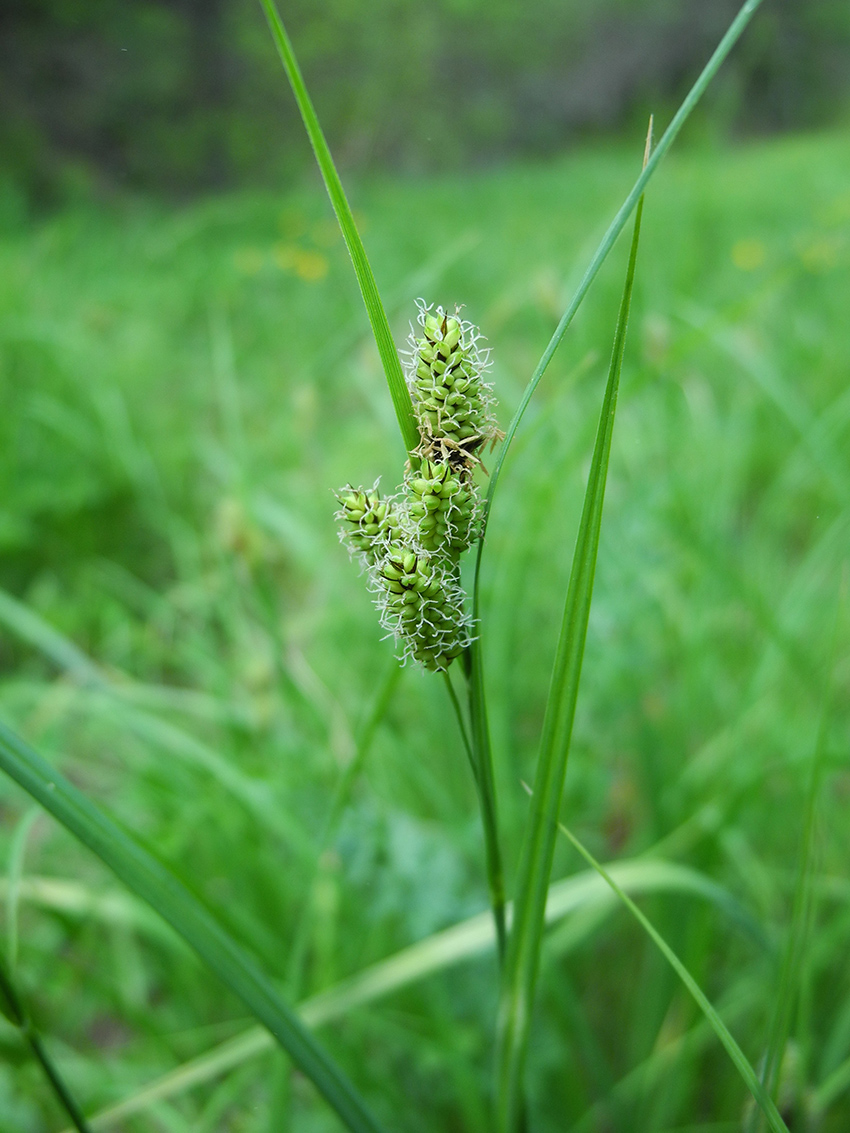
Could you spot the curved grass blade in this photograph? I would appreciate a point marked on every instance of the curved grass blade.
(151, 881)
(736, 29)
(362, 268)
(763, 1099)
(523, 953)
(438, 952)
(831, 1089)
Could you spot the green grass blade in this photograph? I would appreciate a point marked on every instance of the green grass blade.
(740, 1060)
(13, 1008)
(362, 268)
(17, 850)
(151, 881)
(28, 626)
(831, 1089)
(523, 954)
(736, 29)
(795, 945)
(160, 734)
(436, 953)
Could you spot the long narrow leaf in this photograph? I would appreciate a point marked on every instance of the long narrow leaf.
(523, 955)
(362, 268)
(148, 878)
(746, 1071)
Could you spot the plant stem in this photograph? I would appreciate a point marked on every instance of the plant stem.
(464, 735)
(18, 1015)
(483, 761)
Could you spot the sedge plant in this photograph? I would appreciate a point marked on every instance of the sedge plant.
(409, 543)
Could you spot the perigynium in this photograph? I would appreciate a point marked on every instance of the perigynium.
(410, 543)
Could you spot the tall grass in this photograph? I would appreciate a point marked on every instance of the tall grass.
(236, 729)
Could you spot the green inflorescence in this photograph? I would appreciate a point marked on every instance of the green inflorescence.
(411, 543)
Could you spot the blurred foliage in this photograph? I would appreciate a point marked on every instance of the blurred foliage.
(184, 387)
(181, 95)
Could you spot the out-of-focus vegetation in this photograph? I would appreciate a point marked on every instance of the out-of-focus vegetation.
(182, 389)
(180, 95)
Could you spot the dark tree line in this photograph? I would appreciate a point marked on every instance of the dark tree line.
(183, 95)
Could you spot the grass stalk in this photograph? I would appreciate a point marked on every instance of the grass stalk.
(483, 759)
(461, 723)
(795, 947)
(523, 953)
(14, 1009)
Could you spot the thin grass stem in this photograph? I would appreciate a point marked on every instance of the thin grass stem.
(785, 998)
(461, 723)
(483, 754)
(17, 851)
(740, 1060)
(19, 1016)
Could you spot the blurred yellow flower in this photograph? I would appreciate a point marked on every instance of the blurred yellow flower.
(305, 263)
(248, 260)
(820, 255)
(748, 254)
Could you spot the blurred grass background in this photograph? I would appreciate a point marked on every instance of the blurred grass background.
(185, 382)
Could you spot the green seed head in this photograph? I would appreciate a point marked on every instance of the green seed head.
(440, 509)
(445, 373)
(368, 522)
(421, 604)
(411, 543)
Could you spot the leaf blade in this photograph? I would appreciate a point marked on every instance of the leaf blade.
(148, 878)
(362, 268)
(538, 847)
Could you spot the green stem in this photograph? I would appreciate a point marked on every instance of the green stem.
(18, 1015)
(461, 723)
(483, 757)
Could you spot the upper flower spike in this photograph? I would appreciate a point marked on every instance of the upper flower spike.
(445, 372)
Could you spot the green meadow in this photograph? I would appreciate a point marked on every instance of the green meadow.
(183, 635)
